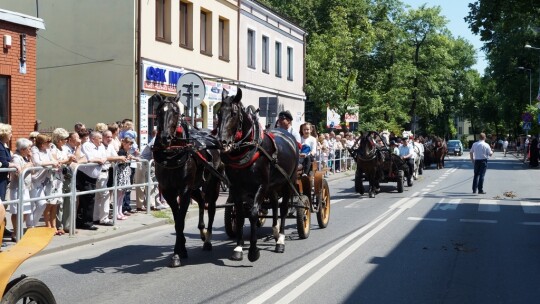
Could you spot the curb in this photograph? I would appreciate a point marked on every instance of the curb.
(145, 223)
(83, 240)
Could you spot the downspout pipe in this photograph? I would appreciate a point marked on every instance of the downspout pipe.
(138, 63)
(238, 40)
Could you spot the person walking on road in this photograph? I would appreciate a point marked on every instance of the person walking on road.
(505, 146)
(480, 153)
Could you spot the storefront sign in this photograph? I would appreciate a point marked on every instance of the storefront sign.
(161, 78)
(214, 90)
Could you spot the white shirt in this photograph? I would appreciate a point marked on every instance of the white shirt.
(91, 152)
(110, 151)
(312, 143)
(295, 134)
(480, 150)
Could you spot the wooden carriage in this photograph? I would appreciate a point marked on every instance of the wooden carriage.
(313, 197)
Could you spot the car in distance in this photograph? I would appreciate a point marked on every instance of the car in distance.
(455, 146)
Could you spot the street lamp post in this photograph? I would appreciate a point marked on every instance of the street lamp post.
(530, 82)
(528, 46)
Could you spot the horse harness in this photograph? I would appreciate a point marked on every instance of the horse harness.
(250, 148)
(184, 143)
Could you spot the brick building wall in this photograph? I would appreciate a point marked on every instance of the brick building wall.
(22, 92)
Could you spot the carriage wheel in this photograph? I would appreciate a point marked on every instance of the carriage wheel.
(400, 176)
(27, 290)
(303, 221)
(230, 221)
(323, 216)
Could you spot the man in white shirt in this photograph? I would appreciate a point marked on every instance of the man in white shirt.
(102, 199)
(87, 178)
(406, 152)
(285, 122)
(480, 153)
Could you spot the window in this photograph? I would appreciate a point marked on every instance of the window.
(278, 59)
(4, 99)
(251, 49)
(223, 39)
(163, 20)
(265, 53)
(186, 25)
(289, 63)
(206, 33)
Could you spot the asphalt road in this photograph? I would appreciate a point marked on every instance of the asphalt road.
(434, 243)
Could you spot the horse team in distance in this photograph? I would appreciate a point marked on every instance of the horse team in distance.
(378, 162)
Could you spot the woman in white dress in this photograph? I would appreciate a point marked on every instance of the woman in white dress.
(22, 158)
(123, 174)
(42, 181)
(60, 153)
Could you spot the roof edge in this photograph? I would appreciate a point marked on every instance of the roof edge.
(22, 19)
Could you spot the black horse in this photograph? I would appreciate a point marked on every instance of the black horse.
(261, 166)
(185, 169)
(369, 160)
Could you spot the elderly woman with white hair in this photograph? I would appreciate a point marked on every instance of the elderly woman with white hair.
(22, 157)
(61, 154)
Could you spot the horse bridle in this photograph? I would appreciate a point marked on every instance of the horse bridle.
(239, 110)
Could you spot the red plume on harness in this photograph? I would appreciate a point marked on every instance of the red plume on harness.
(238, 135)
(179, 130)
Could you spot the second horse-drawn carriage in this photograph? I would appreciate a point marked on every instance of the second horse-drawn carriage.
(377, 164)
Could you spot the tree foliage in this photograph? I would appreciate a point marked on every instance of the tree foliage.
(391, 62)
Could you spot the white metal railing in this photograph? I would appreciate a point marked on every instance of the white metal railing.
(73, 193)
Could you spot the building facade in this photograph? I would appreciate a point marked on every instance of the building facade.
(101, 60)
(271, 62)
(18, 71)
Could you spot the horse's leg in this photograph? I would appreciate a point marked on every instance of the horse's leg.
(274, 202)
(372, 186)
(239, 208)
(170, 196)
(211, 196)
(180, 249)
(280, 240)
(196, 195)
(254, 252)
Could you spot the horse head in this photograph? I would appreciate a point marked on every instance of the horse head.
(368, 147)
(231, 116)
(169, 126)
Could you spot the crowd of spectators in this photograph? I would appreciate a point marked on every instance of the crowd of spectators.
(58, 154)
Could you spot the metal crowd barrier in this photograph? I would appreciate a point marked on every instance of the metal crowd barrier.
(346, 161)
(73, 193)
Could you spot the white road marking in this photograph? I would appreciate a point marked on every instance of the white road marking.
(488, 205)
(298, 290)
(430, 186)
(478, 221)
(530, 207)
(450, 205)
(531, 223)
(425, 190)
(432, 219)
(336, 201)
(377, 224)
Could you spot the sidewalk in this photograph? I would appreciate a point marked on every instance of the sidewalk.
(136, 222)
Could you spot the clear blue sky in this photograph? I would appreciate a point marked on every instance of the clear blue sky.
(455, 11)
